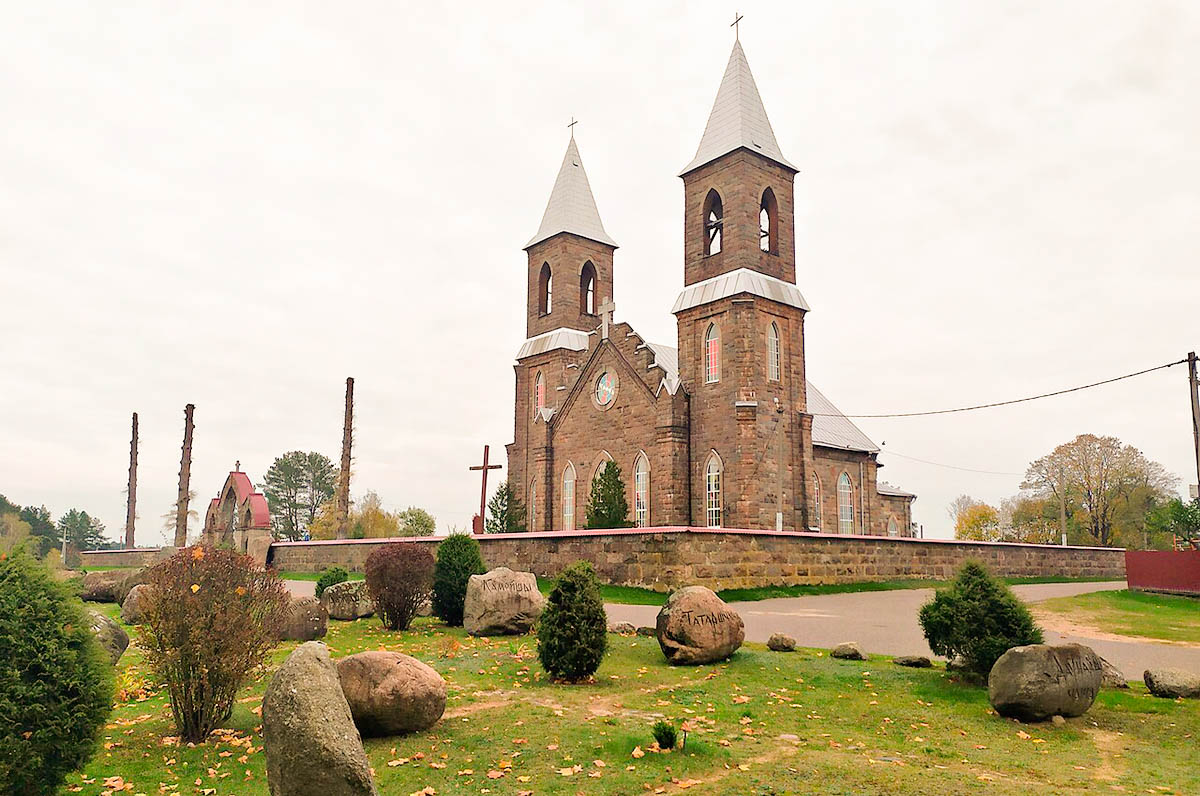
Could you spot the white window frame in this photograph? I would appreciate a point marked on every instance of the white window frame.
(568, 498)
(816, 513)
(774, 357)
(539, 393)
(641, 491)
(845, 499)
(533, 505)
(712, 354)
(712, 491)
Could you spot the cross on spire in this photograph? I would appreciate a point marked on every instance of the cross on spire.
(736, 30)
(606, 311)
(571, 126)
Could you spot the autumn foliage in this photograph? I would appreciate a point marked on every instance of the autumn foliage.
(399, 580)
(214, 619)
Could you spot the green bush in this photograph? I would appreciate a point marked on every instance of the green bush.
(399, 580)
(56, 684)
(977, 617)
(214, 618)
(607, 507)
(664, 734)
(329, 577)
(458, 558)
(572, 637)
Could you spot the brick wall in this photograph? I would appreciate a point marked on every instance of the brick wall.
(664, 558)
(138, 557)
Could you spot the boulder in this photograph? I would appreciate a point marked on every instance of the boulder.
(135, 578)
(390, 693)
(306, 620)
(781, 642)
(111, 636)
(502, 603)
(348, 600)
(133, 610)
(646, 630)
(101, 587)
(696, 626)
(1111, 676)
(1035, 682)
(311, 743)
(1172, 683)
(957, 664)
(848, 651)
(913, 661)
(624, 628)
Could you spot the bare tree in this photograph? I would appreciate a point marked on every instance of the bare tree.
(342, 507)
(185, 477)
(131, 493)
(958, 507)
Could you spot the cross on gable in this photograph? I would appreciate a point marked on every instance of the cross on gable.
(606, 311)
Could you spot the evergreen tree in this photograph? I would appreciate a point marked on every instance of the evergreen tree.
(81, 530)
(295, 486)
(607, 507)
(506, 513)
(571, 632)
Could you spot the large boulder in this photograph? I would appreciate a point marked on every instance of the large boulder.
(101, 587)
(781, 642)
(1172, 683)
(1035, 682)
(135, 578)
(1111, 676)
(111, 636)
(390, 693)
(348, 600)
(913, 661)
(137, 602)
(848, 651)
(306, 620)
(311, 743)
(696, 626)
(623, 628)
(502, 603)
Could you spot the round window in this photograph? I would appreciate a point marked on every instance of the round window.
(606, 388)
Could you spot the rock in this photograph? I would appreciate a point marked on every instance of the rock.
(646, 630)
(390, 693)
(348, 600)
(306, 620)
(311, 743)
(1111, 676)
(913, 661)
(956, 664)
(1057, 720)
(133, 610)
(624, 628)
(1035, 682)
(135, 578)
(101, 587)
(502, 603)
(696, 626)
(1172, 683)
(426, 608)
(781, 642)
(111, 636)
(848, 651)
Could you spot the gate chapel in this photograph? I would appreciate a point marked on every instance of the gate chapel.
(723, 429)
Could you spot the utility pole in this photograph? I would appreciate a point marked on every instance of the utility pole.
(1062, 504)
(342, 504)
(185, 478)
(131, 495)
(1194, 391)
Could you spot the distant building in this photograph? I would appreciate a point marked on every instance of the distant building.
(238, 517)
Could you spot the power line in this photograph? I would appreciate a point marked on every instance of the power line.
(891, 452)
(1008, 403)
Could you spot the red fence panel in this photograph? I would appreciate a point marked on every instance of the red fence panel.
(1163, 570)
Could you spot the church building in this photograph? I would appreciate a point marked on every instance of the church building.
(723, 429)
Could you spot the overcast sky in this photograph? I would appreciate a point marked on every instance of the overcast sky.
(240, 204)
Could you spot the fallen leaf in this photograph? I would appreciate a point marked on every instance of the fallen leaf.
(637, 752)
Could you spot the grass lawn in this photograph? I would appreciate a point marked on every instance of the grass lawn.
(314, 576)
(1131, 613)
(764, 723)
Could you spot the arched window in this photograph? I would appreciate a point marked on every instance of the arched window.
(893, 528)
(845, 502)
(712, 354)
(587, 289)
(714, 223)
(768, 222)
(816, 509)
(712, 491)
(641, 491)
(568, 498)
(545, 290)
(539, 393)
(773, 357)
(533, 505)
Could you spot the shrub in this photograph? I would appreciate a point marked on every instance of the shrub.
(214, 618)
(571, 632)
(329, 577)
(399, 579)
(607, 507)
(664, 734)
(458, 558)
(977, 617)
(56, 684)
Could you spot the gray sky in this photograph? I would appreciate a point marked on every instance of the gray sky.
(239, 205)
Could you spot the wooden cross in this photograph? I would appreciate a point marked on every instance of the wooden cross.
(606, 311)
(571, 126)
(736, 30)
(483, 492)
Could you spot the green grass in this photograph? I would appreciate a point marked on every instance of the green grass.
(771, 592)
(763, 723)
(1131, 613)
(314, 576)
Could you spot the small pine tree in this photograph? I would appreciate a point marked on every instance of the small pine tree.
(607, 507)
(458, 558)
(977, 617)
(330, 577)
(506, 512)
(572, 637)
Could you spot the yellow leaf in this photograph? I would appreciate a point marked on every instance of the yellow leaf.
(195, 588)
(197, 552)
(637, 752)
(494, 774)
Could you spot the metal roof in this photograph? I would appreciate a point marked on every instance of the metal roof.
(884, 488)
(571, 339)
(832, 429)
(571, 207)
(743, 280)
(738, 119)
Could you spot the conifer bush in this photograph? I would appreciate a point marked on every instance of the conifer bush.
(458, 558)
(331, 576)
(399, 580)
(665, 734)
(607, 506)
(215, 617)
(56, 684)
(977, 617)
(572, 637)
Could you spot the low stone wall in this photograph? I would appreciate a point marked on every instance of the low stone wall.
(664, 558)
(137, 557)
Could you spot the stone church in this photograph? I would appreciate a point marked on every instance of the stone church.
(724, 429)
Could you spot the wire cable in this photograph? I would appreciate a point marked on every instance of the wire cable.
(889, 452)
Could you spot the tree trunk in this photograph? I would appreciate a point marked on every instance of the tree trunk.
(185, 477)
(131, 497)
(343, 493)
